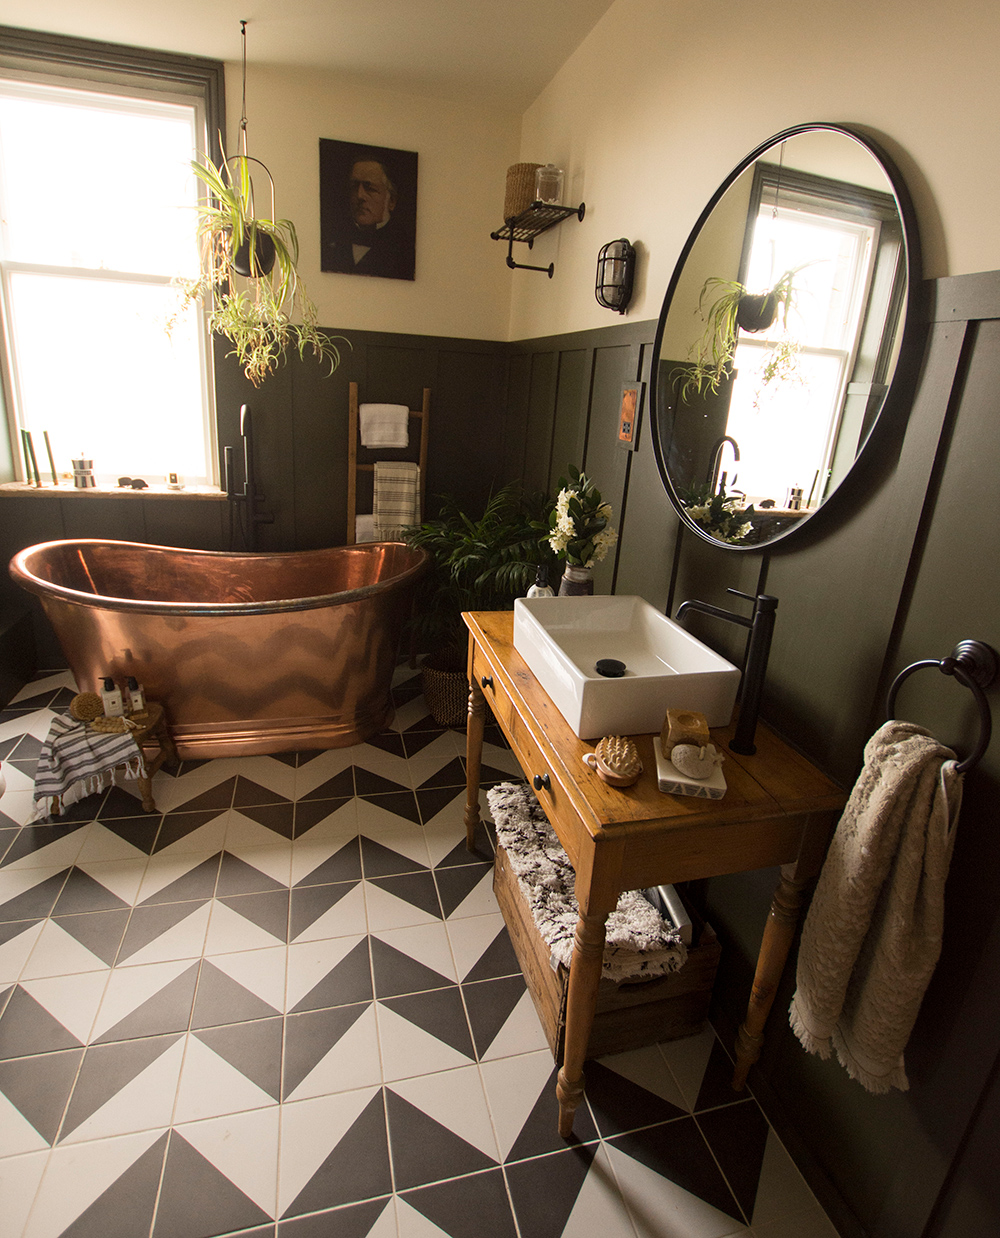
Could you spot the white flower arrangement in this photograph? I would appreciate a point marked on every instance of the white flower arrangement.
(578, 526)
(725, 519)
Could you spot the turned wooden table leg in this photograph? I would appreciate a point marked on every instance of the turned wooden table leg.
(581, 1000)
(473, 759)
(779, 933)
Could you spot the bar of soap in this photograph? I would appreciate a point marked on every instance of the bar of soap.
(683, 726)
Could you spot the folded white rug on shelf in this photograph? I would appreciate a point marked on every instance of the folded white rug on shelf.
(76, 761)
(640, 944)
(873, 932)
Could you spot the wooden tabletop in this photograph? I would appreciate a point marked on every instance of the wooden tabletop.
(776, 782)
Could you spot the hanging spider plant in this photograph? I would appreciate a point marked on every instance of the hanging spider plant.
(727, 307)
(249, 277)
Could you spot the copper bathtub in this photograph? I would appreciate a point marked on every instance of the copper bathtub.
(247, 653)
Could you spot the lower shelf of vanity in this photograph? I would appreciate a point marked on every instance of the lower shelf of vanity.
(628, 1016)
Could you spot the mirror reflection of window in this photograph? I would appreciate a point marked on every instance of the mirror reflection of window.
(805, 392)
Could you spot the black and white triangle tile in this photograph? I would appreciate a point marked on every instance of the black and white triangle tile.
(286, 1006)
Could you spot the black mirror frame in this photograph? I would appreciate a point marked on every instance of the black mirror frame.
(901, 383)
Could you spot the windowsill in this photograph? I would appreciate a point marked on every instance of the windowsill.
(23, 489)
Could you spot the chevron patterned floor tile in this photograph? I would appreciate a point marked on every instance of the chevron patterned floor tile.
(286, 1006)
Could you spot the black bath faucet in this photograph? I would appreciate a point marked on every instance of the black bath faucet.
(761, 625)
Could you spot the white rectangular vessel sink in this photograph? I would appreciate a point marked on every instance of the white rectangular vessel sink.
(562, 638)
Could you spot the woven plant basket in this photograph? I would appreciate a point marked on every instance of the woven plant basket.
(520, 188)
(446, 688)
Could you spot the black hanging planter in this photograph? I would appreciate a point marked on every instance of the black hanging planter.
(756, 311)
(263, 255)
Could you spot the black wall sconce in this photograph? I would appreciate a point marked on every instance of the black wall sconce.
(615, 272)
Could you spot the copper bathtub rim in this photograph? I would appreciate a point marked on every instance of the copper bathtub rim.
(75, 597)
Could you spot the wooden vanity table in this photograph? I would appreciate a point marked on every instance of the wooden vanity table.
(778, 810)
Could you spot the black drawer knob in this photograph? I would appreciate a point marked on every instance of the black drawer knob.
(541, 782)
(487, 682)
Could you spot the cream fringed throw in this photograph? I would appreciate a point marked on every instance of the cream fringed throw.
(873, 932)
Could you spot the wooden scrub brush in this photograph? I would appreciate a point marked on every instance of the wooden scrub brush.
(616, 760)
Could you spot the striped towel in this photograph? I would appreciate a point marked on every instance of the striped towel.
(397, 498)
(384, 425)
(76, 762)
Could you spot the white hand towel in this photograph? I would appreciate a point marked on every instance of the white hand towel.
(873, 932)
(364, 528)
(385, 425)
(397, 497)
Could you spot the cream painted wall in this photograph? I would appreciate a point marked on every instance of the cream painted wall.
(461, 287)
(646, 131)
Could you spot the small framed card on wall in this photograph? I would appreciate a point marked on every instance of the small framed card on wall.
(630, 414)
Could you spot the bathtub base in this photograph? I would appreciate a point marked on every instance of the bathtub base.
(257, 737)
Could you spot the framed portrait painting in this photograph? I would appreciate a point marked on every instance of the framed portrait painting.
(368, 209)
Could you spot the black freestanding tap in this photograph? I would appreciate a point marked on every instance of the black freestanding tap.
(251, 496)
(761, 625)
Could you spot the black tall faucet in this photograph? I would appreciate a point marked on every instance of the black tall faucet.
(761, 625)
(715, 460)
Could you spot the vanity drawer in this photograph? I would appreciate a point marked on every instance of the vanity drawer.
(497, 699)
(548, 790)
(550, 794)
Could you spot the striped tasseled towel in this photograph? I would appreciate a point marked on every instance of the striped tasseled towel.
(397, 498)
(76, 761)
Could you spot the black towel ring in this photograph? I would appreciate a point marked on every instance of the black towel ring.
(973, 664)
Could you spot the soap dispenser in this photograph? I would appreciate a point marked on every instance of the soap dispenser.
(111, 699)
(136, 696)
(541, 588)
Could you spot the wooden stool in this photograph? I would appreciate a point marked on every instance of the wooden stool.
(152, 731)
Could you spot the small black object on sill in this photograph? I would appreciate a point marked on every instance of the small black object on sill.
(136, 483)
(538, 218)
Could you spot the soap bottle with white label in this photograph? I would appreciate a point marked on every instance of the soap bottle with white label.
(111, 699)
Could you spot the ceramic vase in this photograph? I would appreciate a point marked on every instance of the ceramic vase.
(577, 581)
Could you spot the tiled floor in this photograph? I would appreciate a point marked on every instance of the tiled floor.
(287, 1008)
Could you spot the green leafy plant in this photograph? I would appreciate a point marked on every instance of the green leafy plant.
(724, 518)
(256, 314)
(479, 563)
(578, 523)
(726, 306)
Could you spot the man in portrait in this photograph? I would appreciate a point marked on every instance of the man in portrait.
(368, 210)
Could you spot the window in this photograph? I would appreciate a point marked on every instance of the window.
(844, 244)
(98, 217)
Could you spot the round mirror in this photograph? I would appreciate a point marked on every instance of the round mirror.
(783, 334)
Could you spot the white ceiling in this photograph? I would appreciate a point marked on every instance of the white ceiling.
(498, 52)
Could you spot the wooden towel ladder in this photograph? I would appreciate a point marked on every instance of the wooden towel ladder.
(354, 466)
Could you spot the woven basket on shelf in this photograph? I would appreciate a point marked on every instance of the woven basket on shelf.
(520, 188)
(446, 688)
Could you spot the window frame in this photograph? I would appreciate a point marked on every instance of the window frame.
(41, 57)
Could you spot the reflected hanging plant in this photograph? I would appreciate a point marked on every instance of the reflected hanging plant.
(727, 307)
